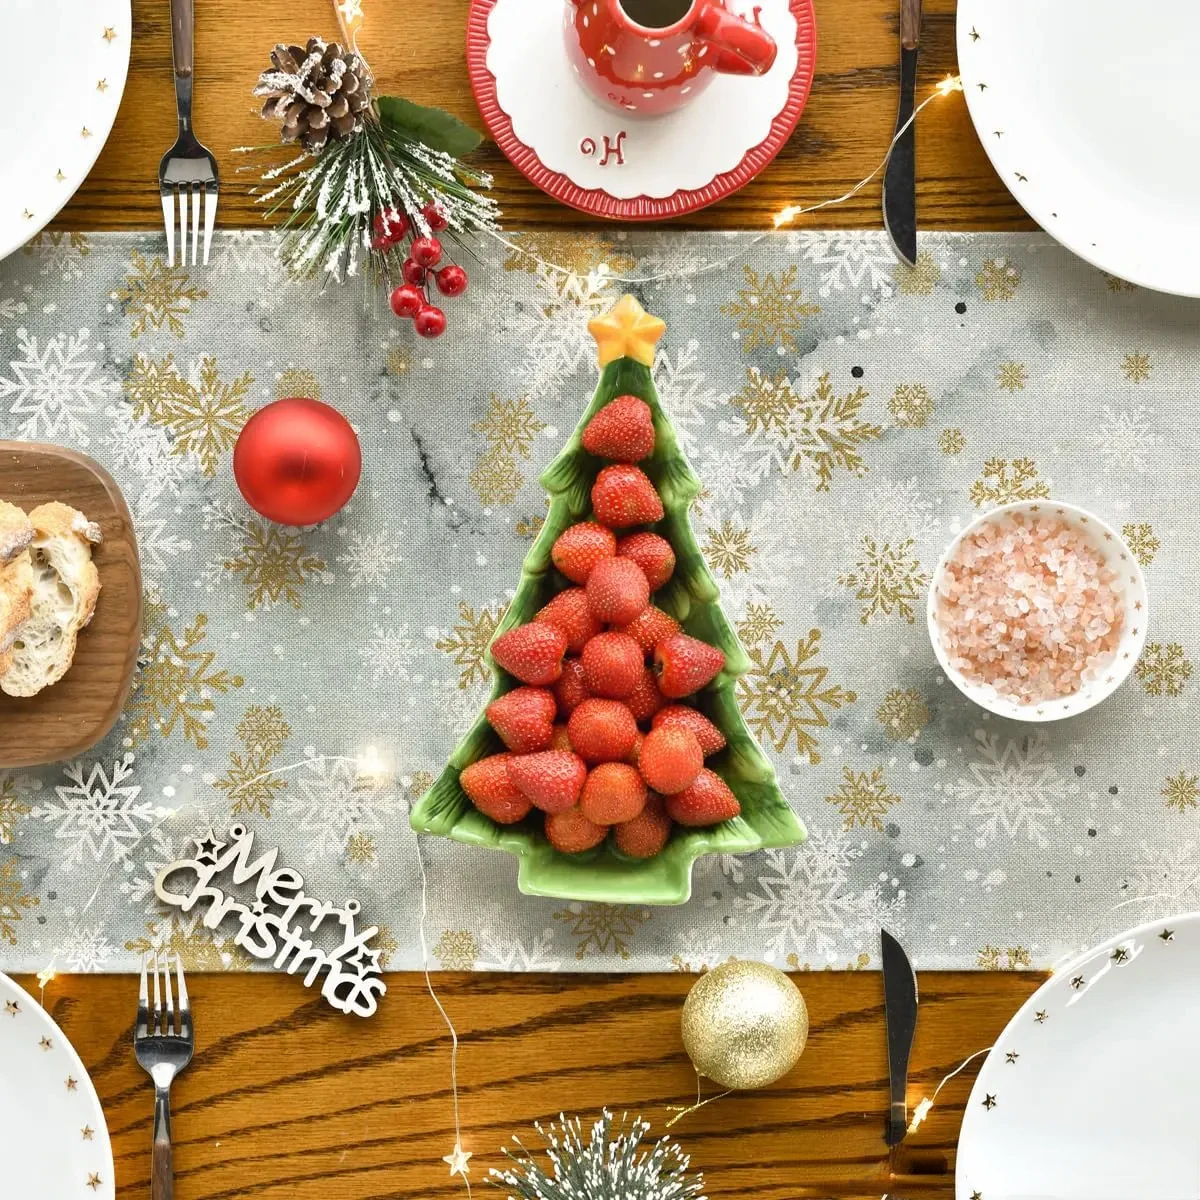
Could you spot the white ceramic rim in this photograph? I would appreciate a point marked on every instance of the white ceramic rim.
(1130, 647)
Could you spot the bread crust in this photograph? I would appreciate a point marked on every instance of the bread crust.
(16, 532)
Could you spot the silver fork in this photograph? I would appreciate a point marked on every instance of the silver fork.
(188, 170)
(163, 1047)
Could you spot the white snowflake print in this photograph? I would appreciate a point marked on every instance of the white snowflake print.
(135, 446)
(334, 800)
(244, 252)
(698, 951)
(160, 850)
(54, 388)
(10, 309)
(97, 813)
(889, 510)
(84, 950)
(512, 954)
(457, 707)
(686, 396)
(1126, 439)
(155, 537)
(389, 653)
(851, 259)
(1013, 787)
(60, 254)
(726, 472)
(369, 558)
(1163, 880)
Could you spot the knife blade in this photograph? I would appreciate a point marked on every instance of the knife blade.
(900, 1010)
(900, 176)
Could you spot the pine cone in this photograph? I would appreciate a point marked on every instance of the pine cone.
(319, 93)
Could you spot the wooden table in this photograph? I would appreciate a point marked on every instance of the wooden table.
(288, 1101)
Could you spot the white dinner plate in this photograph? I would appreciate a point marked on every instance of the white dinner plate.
(1092, 1090)
(1088, 111)
(64, 72)
(53, 1139)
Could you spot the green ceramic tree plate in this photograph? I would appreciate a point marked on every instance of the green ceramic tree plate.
(692, 597)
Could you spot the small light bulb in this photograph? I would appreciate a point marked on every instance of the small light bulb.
(920, 1113)
(952, 83)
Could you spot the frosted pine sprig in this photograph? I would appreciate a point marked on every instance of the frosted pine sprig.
(609, 1165)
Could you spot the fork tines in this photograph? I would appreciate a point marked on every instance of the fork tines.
(189, 196)
(159, 1020)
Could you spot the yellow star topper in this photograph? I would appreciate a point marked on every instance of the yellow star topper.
(627, 330)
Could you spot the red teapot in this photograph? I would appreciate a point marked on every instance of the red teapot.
(650, 57)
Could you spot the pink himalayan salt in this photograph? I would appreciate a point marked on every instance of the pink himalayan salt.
(1028, 607)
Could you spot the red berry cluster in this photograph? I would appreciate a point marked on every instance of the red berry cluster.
(412, 298)
(597, 737)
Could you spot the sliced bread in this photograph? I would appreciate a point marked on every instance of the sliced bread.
(16, 575)
(65, 587)
(16, 532)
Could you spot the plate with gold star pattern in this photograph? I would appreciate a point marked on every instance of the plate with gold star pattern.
(1091, 1091)
(53, 1139)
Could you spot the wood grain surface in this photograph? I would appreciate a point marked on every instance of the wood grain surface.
(288, 1100)
(416, 50)
(67, 718)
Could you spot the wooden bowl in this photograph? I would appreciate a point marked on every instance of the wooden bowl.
(74, 714)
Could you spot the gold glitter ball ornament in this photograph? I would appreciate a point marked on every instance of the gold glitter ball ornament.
(744, 1025)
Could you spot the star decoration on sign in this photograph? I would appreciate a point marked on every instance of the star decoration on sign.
(207, 847)
(365, 960)
(458, 1159)
(989, 1101)
(627, 330)
(258, 908)
(1120, 955)
(11, 1007)
(1011, 1056)
(1167, 935)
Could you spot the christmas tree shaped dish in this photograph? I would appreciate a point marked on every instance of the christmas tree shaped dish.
(626, 337)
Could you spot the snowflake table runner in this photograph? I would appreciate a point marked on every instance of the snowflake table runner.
(846, 417)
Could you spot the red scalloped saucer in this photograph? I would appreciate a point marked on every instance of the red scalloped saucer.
(638, 208)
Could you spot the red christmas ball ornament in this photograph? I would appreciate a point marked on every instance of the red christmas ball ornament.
(427, 251)
(435, 218)
(297, 461)
(451, 280)
(430, 322)
(406, 300)
(390, 226)
(413, 273)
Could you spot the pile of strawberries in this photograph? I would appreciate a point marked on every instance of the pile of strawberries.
(597, 737)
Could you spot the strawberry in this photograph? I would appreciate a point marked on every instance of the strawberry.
(491, 790)
(650, 627)
(617, 591)
(523, 718)
(685, 664)
(707, 801)
(623, 429)
(571, 832)
(551, 780)
(560, 739)
(533, 652)
(645, 699)
(602, 730)
(623, 495)
(571, 689)
(632, 757)
(612, 665)
(711, 739)
(652, 553)
(647, 833)
(671, 759)
(613, 792)
(569, 610)
(580, 547)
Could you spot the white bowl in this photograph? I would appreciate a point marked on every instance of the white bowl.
(1130, 583)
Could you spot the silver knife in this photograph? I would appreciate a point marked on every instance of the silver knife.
(900, 1009)
(900, 177)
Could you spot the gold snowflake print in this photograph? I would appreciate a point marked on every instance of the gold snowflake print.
(579, 253)
(196, 947)
(264, 729)
(921, 278)
(602, 928)
(12, 809)
(770, 312)
(826, 431)
(728, 549)
(887, 579)
(998, 279)
(766, 400)
(13, 900)
(510, 425)
(911, 405)
(398, 361)
(175, 684)
(386, 944)
(361, 850)
(420, 782)
(274, 565)
(997, 958)
(1003, 482)
(1139, 537)
(1012, 376)
(1182, 791)
(952, 441)
(1115, 283)
(862, 799)
(760, 624)
(859, 963)
(249, 783)
(155, 295)
(75, 241)
(469, 639)
(903, 714)
(529, 527)
(297, 382)
(783, 697)
(496, 479)
(457, 950)
(1163, 669)
(1136, 367)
